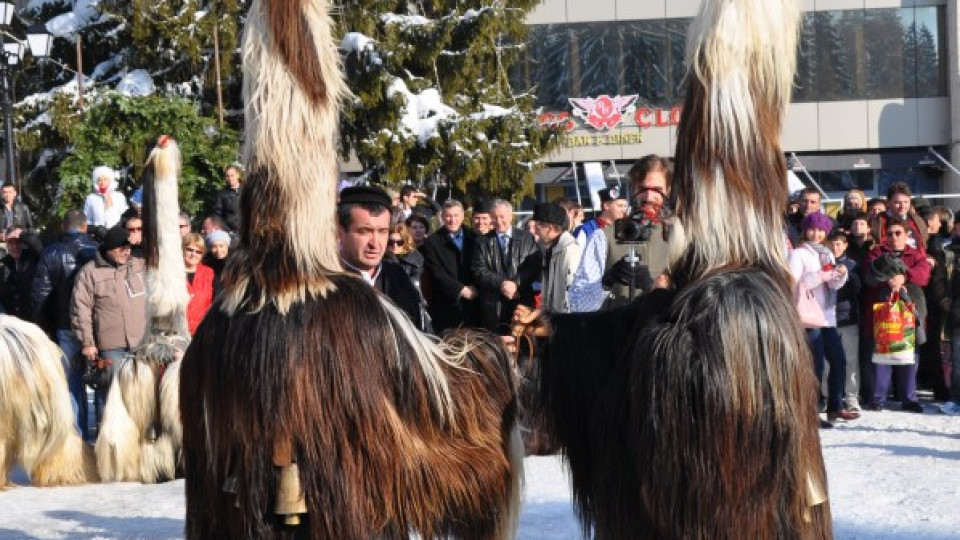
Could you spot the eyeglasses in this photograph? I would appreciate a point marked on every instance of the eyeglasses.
(391, 243)
(134, 229)
(184, 225)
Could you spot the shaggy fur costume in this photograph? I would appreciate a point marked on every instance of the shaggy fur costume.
(140, 436)
(298, 364)
(37, 428)
(692, 413)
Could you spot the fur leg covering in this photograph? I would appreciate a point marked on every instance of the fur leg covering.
(393, 432)
(127, 449)
(36, 414)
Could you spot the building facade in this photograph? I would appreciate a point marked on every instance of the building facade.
(872, 102)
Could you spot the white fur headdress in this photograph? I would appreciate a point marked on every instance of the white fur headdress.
(108, 172)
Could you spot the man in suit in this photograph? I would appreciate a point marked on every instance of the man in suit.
(363, 215)
(505, 264)
(451, 294)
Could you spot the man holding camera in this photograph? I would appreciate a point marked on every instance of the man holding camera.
(607, 277)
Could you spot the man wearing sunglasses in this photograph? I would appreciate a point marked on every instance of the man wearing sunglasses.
(606, 277)
(363, 216)
(134, 227)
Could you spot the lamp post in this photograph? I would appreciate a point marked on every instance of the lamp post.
(13, 50)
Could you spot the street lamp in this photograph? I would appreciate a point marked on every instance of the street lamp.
(13, 50)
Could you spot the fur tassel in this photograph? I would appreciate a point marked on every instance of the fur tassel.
(741, 55)
(36, 415)
(166, 287)
(292, 88)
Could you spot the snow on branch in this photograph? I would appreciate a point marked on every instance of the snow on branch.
(84, 13)
(421, 113)
(355, 42)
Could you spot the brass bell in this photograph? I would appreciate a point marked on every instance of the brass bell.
(290, 501)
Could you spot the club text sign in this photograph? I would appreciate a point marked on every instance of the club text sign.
(605, 113)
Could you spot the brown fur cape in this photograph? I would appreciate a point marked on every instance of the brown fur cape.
(392, 432)
(691, 413)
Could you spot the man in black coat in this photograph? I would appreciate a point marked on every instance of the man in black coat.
(448, 281)
(363, 215)
(227, 204)
(13, 213)
(51, 291)
(16, 272)
(505, 264)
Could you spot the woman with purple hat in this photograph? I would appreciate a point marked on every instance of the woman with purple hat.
(819, 276)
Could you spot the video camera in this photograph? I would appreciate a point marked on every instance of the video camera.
(637, 227)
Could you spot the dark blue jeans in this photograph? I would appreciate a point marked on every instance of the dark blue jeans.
(825, 344)
(116, 358)
(74, 371)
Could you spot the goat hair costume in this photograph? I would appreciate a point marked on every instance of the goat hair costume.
(312, 407)
(37, 424)
(692, 413)
(140, 435)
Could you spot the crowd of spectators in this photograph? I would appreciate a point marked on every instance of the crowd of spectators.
(448, 267)
(872, 250)
(87, 288)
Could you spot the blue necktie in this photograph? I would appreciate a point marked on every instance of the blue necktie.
(503, 242)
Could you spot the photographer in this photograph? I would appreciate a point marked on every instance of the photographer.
(413, 201)
(606, 277)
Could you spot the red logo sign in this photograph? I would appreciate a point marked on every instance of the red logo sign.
(560, 120)
(603, 112)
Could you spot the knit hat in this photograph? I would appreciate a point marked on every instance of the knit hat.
(116, 237)
(816, 220)
(218, 236)
(482, 207)
(611, 194)
(366, 195)
(550, 213)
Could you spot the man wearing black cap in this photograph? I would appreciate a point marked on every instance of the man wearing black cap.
(482, 217)
(363, 215)
(560, 259)
(108, 309)
(613, 204)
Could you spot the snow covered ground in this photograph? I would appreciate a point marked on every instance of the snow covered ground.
(893, 475)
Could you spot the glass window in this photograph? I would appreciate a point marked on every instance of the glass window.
(805, 80)
(840, 42)
(677, 39)
(547, 66)
(920, 179)
(931, 60)
(837, 183)
(842, 55)
(596, 47)
(889, 53)
(644, 65)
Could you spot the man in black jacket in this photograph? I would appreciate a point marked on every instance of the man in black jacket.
(51, 291)
(16, 272)
(448, 282)
(227, 204)
(363, 215)
(503, 267)
(13, 213)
